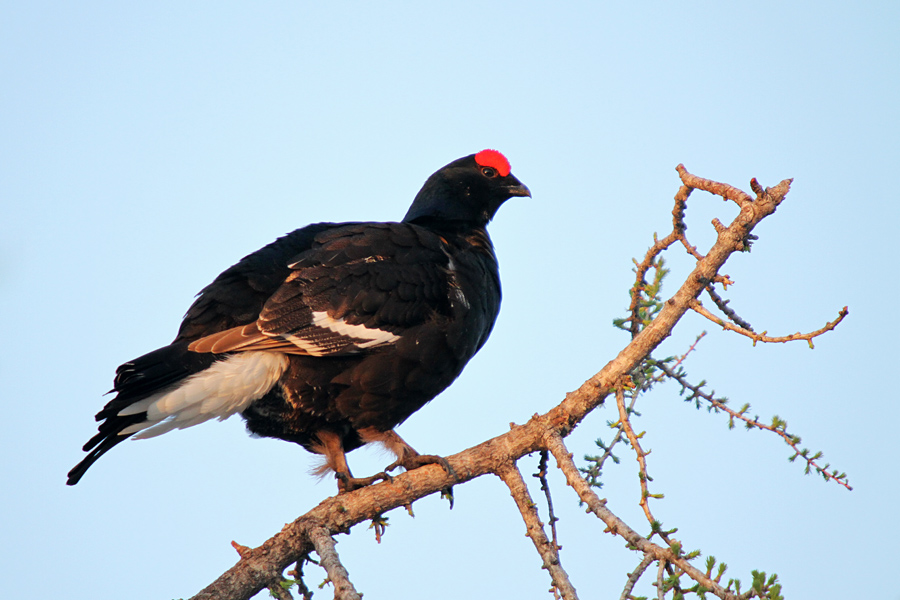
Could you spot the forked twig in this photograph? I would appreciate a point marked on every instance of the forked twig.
(697, 307)
(616, 526)
(548, 550)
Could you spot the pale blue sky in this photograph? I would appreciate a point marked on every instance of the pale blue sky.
(146, 147)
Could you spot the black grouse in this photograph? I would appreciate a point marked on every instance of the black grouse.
(334, 334)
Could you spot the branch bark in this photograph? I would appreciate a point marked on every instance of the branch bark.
(328, 558)
(617, 526)
(549, 552)
(265, 564)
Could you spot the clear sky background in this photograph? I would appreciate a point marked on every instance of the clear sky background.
(145, 147)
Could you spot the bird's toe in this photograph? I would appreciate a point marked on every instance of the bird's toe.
(420, 460)
(348, 483)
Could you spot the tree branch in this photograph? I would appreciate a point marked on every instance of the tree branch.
(541, 476)
(263, 565)
(643, 475)
(742, 328)
(328, 558)
(534, 528)
(617, 526)
(778, 427)
(635, 575)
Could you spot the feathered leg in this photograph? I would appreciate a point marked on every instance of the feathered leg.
(335, 459)
(407, 457)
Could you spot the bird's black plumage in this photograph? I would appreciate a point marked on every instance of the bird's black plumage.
(334, 334)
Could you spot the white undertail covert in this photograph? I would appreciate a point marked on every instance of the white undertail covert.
(225, 388)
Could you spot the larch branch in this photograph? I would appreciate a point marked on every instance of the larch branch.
(729, 312)
(727, 192)
(263, 565)
(617, 526)
(778, 427)
(625, 424)
(698, 307)
(329, 560)
(534, 529)
(541, 476)
(635, 575)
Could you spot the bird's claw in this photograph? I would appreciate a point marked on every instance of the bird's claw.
(347, 483)
(420, 460)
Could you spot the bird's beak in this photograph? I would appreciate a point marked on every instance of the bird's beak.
(517, 188)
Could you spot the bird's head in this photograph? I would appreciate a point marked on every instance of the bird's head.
(469, 189)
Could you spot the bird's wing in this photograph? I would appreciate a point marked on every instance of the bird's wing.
(358, 288)
(238, 294)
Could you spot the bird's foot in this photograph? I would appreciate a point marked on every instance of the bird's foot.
(347, 483)
(415, 461)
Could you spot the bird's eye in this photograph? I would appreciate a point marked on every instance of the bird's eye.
(488, 172)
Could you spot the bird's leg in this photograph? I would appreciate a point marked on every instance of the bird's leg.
(406, 455)
(336, 460)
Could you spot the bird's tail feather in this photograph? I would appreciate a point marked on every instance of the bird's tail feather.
(136, 380)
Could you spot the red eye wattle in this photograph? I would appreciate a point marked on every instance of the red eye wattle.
(494, 160)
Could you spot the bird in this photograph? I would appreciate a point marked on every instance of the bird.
(334, 334)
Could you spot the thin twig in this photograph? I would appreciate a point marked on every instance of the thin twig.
(723, 306)
(663, 375)
(635, 575)
(617, 526)
(693, 347)
(607, 452)
(676, 582)
(678, 225)
(777, 428)
(534, 529)
(697, 307)
(297, 574)
(625, 423)
(541, 475)
(660, 584)
(640, 281)
(620, 435)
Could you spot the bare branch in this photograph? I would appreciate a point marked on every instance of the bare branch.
(727, 192)
(297, 574)
(541, 475)
(328, 558)
(534, 528)
(635, 575)
(261, 566)
(697, 307)
(275, 588)
(723, 306)
(660, 585)
(616, 526)
(625, 423)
